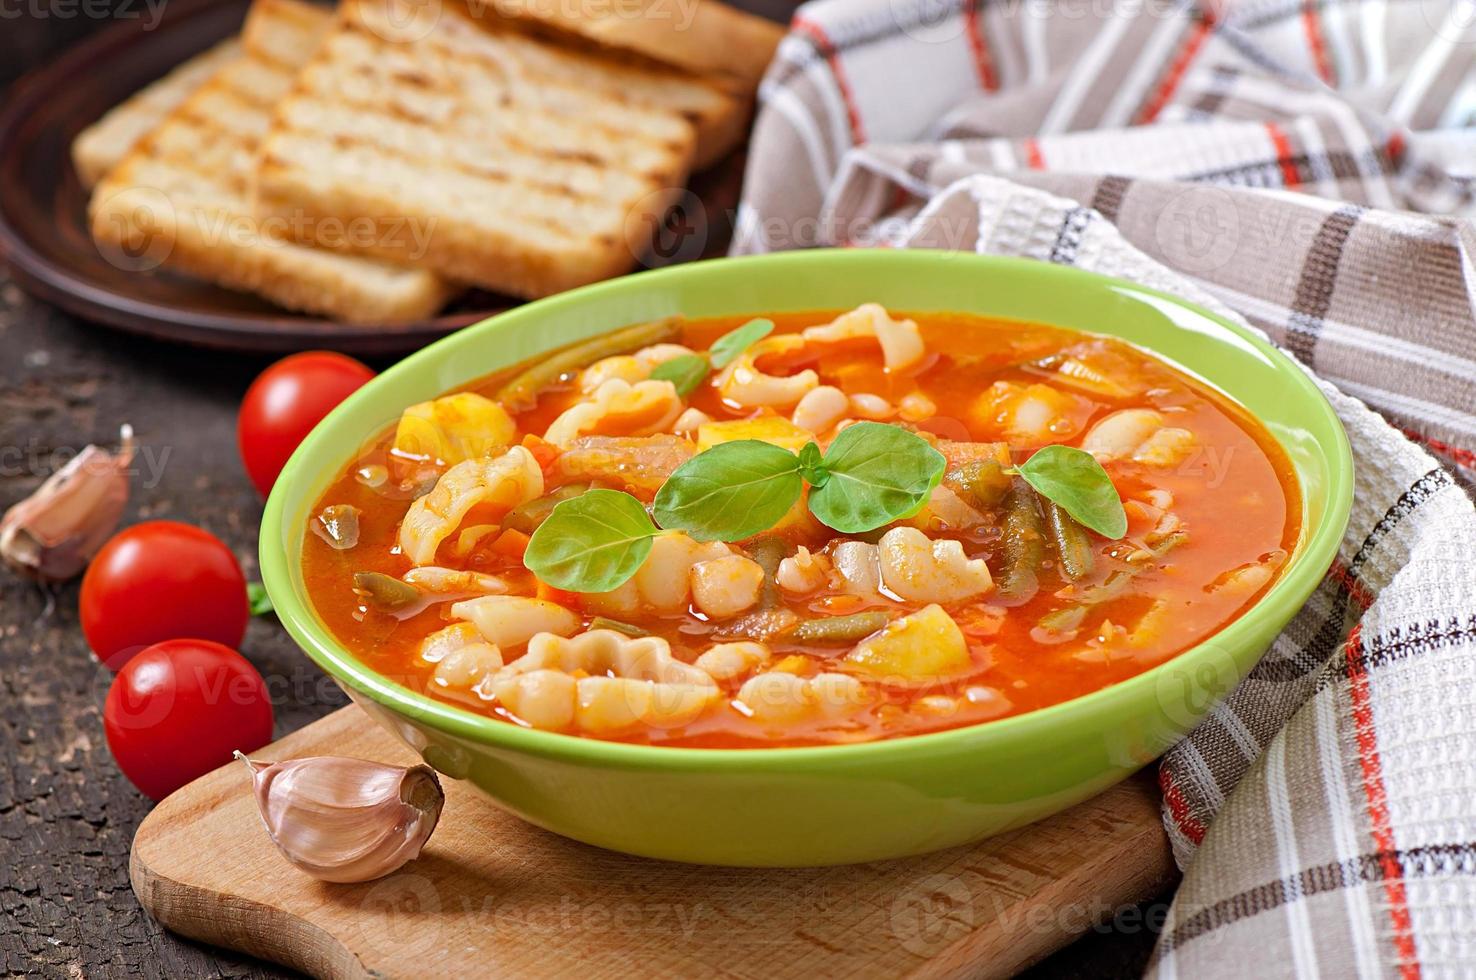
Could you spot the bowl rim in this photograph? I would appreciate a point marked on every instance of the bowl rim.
(1297, 582)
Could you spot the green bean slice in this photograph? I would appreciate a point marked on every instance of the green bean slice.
(1024, 543)
(768, 551)
(1073, 543)
(521, 393)
(980, 482)
(605, 623)
(839, 629)
(1064, 620)
(526, 517)
(385, 592)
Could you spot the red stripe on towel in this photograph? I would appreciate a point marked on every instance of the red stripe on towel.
(979, 46)
(1178, 69)
(832, 58)
(1289, 176)
(1378, 808)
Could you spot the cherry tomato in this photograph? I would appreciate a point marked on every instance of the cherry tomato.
(161, 580)
(179, 709)
(285, 402)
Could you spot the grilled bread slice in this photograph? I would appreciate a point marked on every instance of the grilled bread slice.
(532, 168)
(705, 37)
(183, 197)
(707, 57)
(99, 147)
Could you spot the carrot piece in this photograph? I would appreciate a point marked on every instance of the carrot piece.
(510, 544)
(792, 664)
(569, 600)
(546, 453)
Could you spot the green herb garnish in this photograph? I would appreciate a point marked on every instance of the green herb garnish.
(690, 370)
(876, 474)
(731, 491)
(1076, 482)
(727, 348)
(591, 543)
(257, 599)
(812, 465)
(873, 474)
(685, 373)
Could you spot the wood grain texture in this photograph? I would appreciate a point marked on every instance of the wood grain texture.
(492, 895)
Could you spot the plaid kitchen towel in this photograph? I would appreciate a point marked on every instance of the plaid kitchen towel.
(1298, 166)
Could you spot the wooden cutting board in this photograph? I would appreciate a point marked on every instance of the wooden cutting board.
(493, 896)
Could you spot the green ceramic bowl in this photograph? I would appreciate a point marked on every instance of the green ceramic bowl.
(832, 804)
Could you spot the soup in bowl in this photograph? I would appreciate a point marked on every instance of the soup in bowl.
(702, 566)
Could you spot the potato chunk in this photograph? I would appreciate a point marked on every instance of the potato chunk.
(917, 649)
(454, 428)
(773, 429)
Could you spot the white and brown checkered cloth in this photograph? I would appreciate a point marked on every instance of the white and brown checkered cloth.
(1301, 165)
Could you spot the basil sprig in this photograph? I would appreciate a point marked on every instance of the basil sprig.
(727, 348)
(732, 491)
(685, 373)
(872, 474)
(875, 474)
(1076, 482)
(688, 371)
(591, 543)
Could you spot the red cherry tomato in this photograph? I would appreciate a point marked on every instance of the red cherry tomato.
(179, 709)
(161, 580)
(285, 402)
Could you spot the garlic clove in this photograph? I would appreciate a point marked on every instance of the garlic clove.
(346, 820)
(53, 533)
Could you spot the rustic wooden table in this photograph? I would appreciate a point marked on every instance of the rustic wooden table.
(67, 815)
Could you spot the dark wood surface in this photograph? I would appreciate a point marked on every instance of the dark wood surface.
(66, 815)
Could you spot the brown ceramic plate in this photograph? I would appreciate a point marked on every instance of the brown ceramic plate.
(43, 205)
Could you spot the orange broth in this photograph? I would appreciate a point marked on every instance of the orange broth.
(1237, 498)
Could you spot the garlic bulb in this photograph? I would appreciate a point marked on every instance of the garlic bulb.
(346, 819)
(53, 533)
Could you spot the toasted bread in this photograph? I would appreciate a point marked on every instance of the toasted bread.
(716, 107)
(533, 168)
(99, 147)
(704, 37)
(183, 197)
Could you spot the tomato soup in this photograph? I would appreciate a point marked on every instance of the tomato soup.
(637, 538)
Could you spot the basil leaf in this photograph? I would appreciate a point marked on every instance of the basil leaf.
(685, 372)
(878, 474)
(725, 349)
(812, 467)
(730, 492)
(591, 543)
(1077, 483)
(257, 600)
